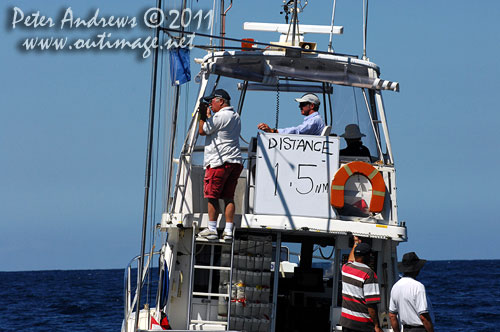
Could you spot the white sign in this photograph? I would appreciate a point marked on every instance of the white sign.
(294, 174)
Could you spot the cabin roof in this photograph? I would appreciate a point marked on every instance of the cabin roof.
(267, 66)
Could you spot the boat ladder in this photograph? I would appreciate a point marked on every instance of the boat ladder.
(227, 248)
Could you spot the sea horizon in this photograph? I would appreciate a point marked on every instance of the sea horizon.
(121, 268)
(92, 299)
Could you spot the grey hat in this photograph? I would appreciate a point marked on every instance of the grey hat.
(308, 98)
(352, 131)
(362, 249)
(411, 263)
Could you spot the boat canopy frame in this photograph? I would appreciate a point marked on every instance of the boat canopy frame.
(264, 63)
(273, 66)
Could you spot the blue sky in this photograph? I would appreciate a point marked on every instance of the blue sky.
(73, 128)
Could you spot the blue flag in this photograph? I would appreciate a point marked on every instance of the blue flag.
(180, 71)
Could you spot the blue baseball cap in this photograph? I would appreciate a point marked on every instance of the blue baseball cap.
(221, 93)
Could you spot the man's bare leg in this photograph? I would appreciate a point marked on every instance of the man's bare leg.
(213, 209)
(229, 211)
(213, 213)
(210, 232)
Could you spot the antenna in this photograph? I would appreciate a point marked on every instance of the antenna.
(365, 26)
(283, 28)
(294, 21)
(294, 11)
(223, 13)
(330, 49)
(286, 9)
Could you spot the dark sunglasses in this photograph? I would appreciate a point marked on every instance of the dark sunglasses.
(303, 104)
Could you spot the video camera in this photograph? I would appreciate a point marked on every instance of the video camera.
(203, 109)
(204, 102)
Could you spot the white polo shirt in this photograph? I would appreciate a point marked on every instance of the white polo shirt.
(222, 143)
(409, 300)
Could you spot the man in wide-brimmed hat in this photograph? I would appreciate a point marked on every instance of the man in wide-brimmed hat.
(409, 300)
(355, 147)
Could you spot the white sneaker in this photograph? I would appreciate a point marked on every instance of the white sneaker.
(208, 234)
(228, 236)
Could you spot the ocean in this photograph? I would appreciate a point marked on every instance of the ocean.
(465, 297)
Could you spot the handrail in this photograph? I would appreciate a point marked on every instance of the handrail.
(200, 148)
(127, 285)
(140, 330)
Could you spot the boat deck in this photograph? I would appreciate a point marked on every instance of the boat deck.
(367, 227)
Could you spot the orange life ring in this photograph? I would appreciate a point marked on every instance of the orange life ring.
(375, 177)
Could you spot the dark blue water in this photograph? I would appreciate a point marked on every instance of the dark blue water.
(465, 296)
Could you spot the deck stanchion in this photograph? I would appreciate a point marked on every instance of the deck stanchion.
(335, 282)
(190, 292)
(277, 264)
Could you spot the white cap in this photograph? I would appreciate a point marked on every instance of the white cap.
(308, 98)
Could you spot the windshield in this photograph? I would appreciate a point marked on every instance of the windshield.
(276, 106)
(349, 107)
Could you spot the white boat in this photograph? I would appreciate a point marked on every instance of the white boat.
(296, 193)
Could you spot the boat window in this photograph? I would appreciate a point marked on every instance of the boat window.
(277, 107)
(349, 107)
(284, 254)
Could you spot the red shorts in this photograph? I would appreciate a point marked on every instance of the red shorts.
(221, 181)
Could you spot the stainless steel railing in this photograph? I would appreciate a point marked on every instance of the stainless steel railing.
(128, 302)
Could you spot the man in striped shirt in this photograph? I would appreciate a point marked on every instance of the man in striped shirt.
(360, 292)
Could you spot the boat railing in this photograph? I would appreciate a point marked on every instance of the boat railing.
(129, 303)
(140, 330)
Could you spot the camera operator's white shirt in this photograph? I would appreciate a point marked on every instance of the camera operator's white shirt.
(222, 143)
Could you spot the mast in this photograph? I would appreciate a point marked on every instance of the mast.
(294, 18)
(147, 175)
(173, 132)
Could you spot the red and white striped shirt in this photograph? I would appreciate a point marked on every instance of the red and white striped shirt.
(359, 289)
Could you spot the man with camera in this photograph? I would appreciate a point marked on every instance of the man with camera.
(222, 159)
(313, 123)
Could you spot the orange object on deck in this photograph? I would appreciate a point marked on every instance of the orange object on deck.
(358, 167)
(245, 46)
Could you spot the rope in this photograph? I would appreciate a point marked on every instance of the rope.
(155, 177)
(323, 256)
(241, 138)
(277, 102)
